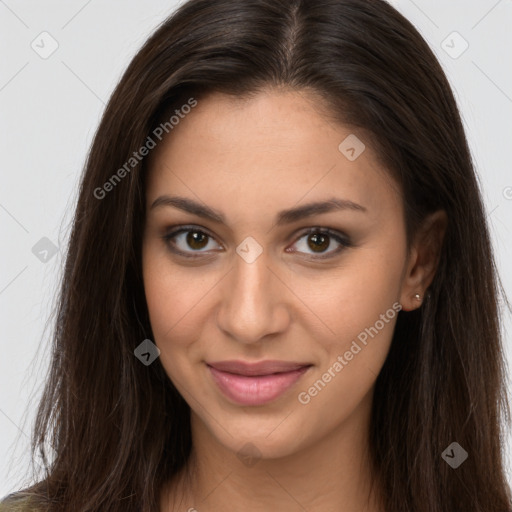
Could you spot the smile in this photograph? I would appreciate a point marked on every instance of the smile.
(255, 384)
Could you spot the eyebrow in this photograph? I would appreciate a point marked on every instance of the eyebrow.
(283, 217)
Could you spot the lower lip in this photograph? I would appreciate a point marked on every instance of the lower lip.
(257, 390)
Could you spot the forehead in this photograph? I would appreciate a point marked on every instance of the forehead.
(264, 153)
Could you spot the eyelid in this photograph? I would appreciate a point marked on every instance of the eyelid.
(180, 228)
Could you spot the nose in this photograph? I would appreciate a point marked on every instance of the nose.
(253, 304)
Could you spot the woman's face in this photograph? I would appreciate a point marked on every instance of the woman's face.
(250, 284)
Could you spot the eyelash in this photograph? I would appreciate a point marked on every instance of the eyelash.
(338, 237)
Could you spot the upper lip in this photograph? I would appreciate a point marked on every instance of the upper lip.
(259, 368)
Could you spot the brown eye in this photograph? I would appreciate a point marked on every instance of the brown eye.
(318, 241)
(188, 240)
(196, 239)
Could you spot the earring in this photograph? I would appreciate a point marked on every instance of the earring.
(417, 296)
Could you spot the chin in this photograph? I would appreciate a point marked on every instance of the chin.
(256, 437)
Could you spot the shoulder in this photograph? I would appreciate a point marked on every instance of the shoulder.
(17, 502)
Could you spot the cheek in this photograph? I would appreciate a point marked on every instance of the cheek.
(173, 300)
(360, 306)
(349, 368)
(351, 297)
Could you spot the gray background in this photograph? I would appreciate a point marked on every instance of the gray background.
(50, 108)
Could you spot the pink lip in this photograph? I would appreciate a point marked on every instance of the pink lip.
(255, 383)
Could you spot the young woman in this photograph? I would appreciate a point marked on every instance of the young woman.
(279, 292)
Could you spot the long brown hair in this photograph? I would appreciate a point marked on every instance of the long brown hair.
(120, 429)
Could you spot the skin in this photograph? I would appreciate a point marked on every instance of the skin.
(249, 159)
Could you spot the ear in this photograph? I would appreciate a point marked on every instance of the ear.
(423, 260)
